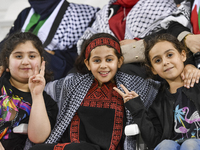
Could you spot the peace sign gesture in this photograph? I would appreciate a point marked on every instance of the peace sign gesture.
(37, 81)
(127, 95)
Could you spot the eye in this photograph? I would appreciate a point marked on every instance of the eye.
(157, 60)
(97, 60)
(169, 55)
(108, 59)
(32, 56)
(18, 56)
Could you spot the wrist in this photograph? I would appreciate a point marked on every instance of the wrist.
(184, 39)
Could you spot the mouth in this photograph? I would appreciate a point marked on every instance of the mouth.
(168, 69)
(25, 69)
(104, 73)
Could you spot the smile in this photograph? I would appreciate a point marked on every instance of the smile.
(168, 69)
(104, 73)
(25, 68)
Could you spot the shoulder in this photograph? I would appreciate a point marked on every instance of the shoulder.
(80, 7)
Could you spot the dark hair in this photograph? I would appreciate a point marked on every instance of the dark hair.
(18, 38)
(151, 40)
(79, 63)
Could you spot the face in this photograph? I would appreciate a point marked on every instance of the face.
(103, 63)
(166, 61)
(23, 61)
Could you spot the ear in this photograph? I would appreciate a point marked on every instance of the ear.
(183, 55)
(120, 62)
(42, 59)
(7, 70)
(87, 64)
(153, 71)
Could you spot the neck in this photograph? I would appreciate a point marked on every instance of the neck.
(19, 85)
(174, 85)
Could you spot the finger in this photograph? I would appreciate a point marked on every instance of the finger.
(194, 78)
(124, 88)
(198, 76)
(189, 79)
(42, 70)
(134, 93)
(182, 76)
(118, 91)
(36, 70)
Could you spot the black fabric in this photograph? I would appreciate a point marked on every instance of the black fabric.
(17, 141)
(43, 7)
(61, 62)
(157, 123)
(134, 69)
(56, 23)
(184, 128)
(72, 146)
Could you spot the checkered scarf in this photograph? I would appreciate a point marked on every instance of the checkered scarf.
(144, 18)
(70, 91)
(76, 19)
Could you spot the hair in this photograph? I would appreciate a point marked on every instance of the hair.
(18, 38)
(79, 63)
(151, 40)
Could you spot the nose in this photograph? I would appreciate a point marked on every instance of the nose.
(25, 60)
(103, 64)
(165, 61)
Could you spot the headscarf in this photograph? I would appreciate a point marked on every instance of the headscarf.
(44, 7)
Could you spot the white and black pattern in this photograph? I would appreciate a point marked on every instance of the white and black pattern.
(75, 87)
(144, 18)
(75, 21)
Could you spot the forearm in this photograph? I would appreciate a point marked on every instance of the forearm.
(39, 126)
(144, 122)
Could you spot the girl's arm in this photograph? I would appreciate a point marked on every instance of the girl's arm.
(148, 123)
(39, 126)
(1, 147)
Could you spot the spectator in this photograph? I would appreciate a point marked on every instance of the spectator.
(59, 25)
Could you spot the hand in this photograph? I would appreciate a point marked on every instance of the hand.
(127, 95)
(192, 42)
(127, 41)
(190, 75)
(37, 81)
(50, 52)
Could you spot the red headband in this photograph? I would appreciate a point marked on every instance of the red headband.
(99, 42)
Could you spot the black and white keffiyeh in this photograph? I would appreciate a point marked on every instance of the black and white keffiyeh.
(69, 92)
(143, 19)
(76, 19)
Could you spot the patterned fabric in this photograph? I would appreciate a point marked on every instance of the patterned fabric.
(13, 109)
(74, 22)
(71, 28)
(71, 91)
(100, 98)
(144, 18)
(99, 42)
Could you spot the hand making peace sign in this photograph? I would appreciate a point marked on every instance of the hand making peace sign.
(37, 81)
(127, 95)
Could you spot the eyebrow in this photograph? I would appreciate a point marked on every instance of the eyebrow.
(105, 56)
(23, 52)
(164, 53)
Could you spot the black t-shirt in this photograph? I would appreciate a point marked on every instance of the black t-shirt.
(186, 118)
(22, 105)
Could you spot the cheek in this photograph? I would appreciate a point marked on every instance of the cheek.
(13, 64)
